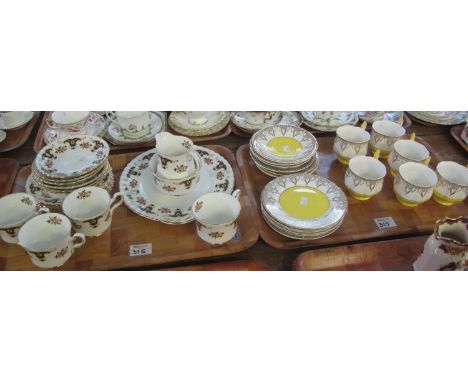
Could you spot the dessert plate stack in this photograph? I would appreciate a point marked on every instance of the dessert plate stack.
(198, 123)
(329, 120)
(303, 207)
(252, 121)
(281, 150)
(441, 117)
(68, 164)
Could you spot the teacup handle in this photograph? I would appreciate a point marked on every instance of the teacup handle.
(364, 125)
(377, 154)
(413, 136)
(112, 117)
(427, 160)
(43, 210)
(51, 124)
(116, 201)
(81, 240)
(236, 194)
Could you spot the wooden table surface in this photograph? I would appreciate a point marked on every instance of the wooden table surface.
(438, 137)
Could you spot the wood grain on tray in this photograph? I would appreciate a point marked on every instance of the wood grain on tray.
(170, 243)
(8, 170)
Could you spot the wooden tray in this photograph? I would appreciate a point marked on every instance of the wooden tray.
(359, 222)
(39, 142)
(456, 133)
(16, 138)
(170, 243)
(8, 170)
(240, 265)
(238, 131)
(389, 255)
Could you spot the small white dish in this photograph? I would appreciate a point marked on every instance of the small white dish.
(10, 120)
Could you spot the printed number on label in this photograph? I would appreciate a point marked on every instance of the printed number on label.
(386, 222)
(141, 249)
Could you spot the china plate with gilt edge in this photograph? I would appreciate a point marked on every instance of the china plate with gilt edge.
(72, 156)
(298, 209)
(284, 144)
(142, 196)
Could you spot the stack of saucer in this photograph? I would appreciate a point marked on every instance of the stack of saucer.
(303, 206)
(68, 164)
(198, 123)
(329, 120)
(252, 121)
(441, 117)
(281, 150)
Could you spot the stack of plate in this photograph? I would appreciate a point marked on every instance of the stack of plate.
(68, 164)
(373, 116)
(280, 150)
(329, 120)
(252, 121)
(441, 117)
(198, 123)
(303, 207)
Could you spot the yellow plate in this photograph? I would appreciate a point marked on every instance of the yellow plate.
(303, 202)
(285, 146)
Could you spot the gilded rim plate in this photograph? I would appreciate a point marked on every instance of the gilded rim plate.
(143, 197)
(329, 120)
(198, 123)
(72, 156)
(305, 202)
(252, 121)
(284, 144)
(441, 117)
(373, 116)
(292, 118)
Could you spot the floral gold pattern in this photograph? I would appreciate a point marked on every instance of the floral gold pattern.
(54, 220)
(84, 194)
(27, 201)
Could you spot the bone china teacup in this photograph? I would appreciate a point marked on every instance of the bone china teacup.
(47, 239)
(90, 209)
(16, 209)
(407, 150)
(414, 184)
(68, 120)
(350, 141)
(365, 176)
(216, 214)
(133, 124)
(14, 119)
(452, 186)
(383, 136)
(175, 155)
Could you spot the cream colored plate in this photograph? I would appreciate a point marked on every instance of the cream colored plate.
(198, 123)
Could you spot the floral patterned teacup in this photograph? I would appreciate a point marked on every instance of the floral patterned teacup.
(384, 135)
(17, 209)
(73, 121)
(350, 141)
(414, 184)
(452, 186)
(133, 124)
(175, 155)
(407, 150)
(90, 209)
(47, 239)
(365, 176)
(216, 216)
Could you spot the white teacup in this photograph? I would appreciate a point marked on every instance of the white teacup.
(90, 209)
(216, 214)
(365, 176)
(47, 239)
(384, 135)
(407, 150)
(350, 141)
(174, 154)
(414, 184)
(133, 124)
(74, 121)
(14, 119)
(177, 186)
(15, 210)
(452, 186)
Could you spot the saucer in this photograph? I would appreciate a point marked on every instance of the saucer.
(2, 136)
(198, 123)
(142, 196)
(95, 126)
(329, 120)
(20, 125)
(253, 121)
(114, 132)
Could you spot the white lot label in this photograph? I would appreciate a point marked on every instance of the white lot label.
(141, 249)
(386, 222)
